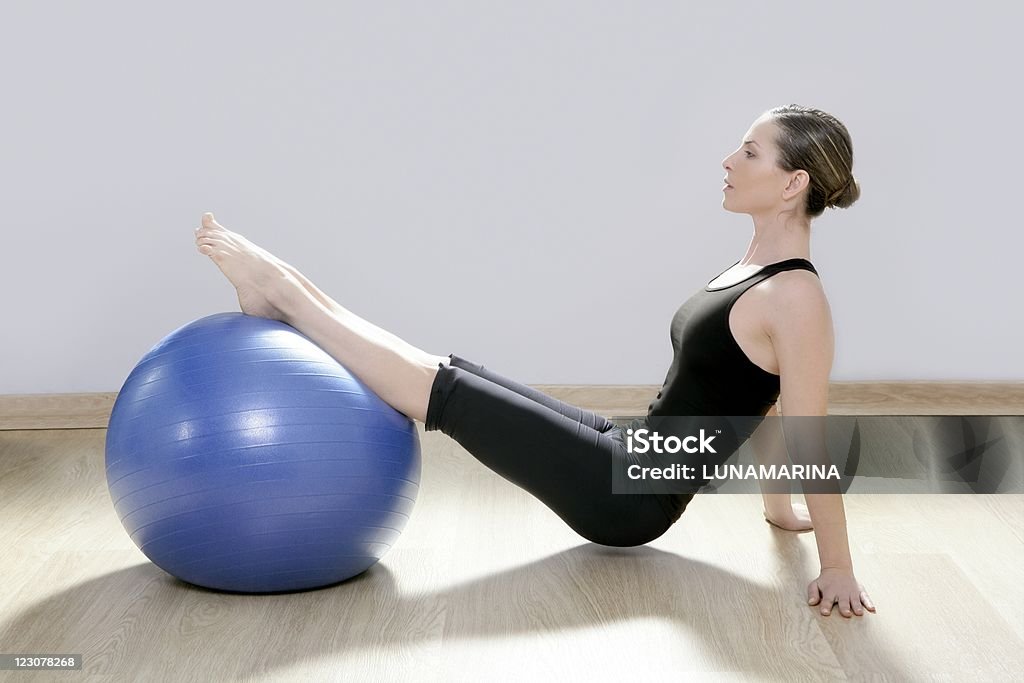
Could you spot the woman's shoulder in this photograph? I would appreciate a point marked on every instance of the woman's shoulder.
(793, 285)
(790, 296)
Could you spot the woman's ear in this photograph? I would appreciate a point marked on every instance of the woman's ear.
(798, 182)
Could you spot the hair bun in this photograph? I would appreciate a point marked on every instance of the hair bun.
(846, 195)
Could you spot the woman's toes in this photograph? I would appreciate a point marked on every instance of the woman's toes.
(210, 222)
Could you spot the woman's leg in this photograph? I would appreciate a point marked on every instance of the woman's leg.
(211, 230)
(567, 465)
(672, 504)
(209, 222)
(589, 418)
(393, 369)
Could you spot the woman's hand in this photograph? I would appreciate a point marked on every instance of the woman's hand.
(834, 585)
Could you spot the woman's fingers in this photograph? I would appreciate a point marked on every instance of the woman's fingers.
(816, 596)
(813, 593)
(848, 606)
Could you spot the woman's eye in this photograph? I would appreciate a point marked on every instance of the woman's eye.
(749, 155)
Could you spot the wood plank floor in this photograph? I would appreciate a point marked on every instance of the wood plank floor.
(487, 584)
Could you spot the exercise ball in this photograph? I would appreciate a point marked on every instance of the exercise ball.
(240, 456)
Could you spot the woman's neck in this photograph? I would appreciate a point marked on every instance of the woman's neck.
(772, 243)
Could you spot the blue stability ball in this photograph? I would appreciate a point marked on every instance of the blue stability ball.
(240, 456)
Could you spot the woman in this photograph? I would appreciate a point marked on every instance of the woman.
(734, 355)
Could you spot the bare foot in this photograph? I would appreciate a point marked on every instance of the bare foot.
(328, 303)
(796, 518)
(252, 270)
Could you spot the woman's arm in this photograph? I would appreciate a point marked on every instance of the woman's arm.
(801, 331)
(829, 517)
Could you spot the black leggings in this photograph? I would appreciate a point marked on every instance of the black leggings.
(558, 452)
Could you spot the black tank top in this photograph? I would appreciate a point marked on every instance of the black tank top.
(710, 374)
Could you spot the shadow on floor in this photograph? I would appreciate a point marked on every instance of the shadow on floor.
(141, 614)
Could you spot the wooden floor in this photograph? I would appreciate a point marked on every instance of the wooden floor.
(487, 584)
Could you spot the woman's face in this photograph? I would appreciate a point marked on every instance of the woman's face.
(755, 182)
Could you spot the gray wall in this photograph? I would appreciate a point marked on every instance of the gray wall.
(533, 185)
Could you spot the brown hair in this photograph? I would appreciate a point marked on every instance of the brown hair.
(818, 143)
